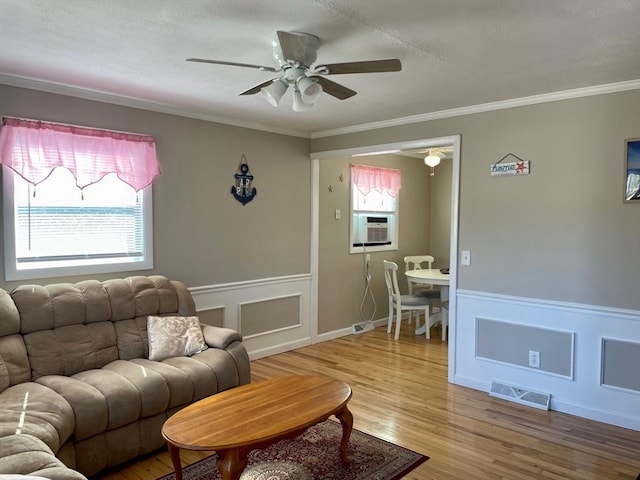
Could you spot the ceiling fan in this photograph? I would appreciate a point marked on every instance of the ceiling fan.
(295, 53)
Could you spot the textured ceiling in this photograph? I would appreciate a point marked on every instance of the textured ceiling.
(455, 53)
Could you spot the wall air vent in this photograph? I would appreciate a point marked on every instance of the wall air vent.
(377, 230)
(520, 395)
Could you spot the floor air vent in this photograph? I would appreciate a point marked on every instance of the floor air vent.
(520, 395)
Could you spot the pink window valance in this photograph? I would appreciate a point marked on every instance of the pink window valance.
(33, 149)
(367, 178)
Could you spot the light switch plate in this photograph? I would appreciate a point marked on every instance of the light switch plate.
(465, 257)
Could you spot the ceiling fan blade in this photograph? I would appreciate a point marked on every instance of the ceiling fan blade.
(234, 64)
(334, 89)
(298, 47)
(257, 88)
(372, 66)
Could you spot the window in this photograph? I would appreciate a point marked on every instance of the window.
(63, 231)
(374, 208)
(54, 228)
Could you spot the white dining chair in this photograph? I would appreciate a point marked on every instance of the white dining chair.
(418, 262)
(444, 307)
(399, 303)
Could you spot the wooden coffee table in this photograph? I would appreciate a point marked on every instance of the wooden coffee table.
(237, 421)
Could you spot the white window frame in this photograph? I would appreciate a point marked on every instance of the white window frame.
(394, 226)
(10, 263)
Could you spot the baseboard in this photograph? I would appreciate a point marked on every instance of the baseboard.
(343, 332)
(564, 406)
(281, 348)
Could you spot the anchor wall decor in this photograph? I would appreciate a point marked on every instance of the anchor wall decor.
(243, 191)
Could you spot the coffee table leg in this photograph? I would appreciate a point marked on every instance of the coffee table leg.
(346, 419)
(230, 463)
(174, 453)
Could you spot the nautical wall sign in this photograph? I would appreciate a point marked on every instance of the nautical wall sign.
(243, 190)
(519, 167)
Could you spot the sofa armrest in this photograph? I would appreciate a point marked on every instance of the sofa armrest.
(219, 337)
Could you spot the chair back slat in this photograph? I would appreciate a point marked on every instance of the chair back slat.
(391, 279)
(414, 262)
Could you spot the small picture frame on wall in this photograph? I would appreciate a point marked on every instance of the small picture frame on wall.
(632, 170)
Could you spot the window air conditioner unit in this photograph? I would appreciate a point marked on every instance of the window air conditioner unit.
(377, 230)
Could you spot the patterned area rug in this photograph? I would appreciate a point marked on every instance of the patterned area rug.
(315, 455)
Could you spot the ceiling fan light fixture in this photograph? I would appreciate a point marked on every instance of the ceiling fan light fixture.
(274, 92)
(432, 160)
(295, 53)
(300, 105)
(310, 89)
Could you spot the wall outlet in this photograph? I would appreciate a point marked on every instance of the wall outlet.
(338, 214)
(534, 359)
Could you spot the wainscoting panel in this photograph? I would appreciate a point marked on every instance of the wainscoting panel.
(273, 314)
(581, 393)
(510, 343)
(621, 364)
(281, 313)
(212, 316)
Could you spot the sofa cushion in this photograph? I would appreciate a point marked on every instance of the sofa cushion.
(179, 383)
(223, 365)
(121, 397)
(174, 336)
(34, 409)
(71, 349)
(120, 393)
(199, 373)
(89, 405)
(140, 296)
(152, 388)
(132, 340)
(200, 367)
(61, 304)
(28, 455)
(14, 363)
(116, 446)
(9, 316)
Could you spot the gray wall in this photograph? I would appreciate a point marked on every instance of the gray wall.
(562, 232)
(202, 235)
(440, 206)
(341, 275)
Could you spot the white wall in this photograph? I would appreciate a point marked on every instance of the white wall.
(582, 395)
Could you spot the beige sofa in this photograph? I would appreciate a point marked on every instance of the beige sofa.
(78, 392)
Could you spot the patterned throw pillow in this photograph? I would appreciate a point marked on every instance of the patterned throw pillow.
(174, 337)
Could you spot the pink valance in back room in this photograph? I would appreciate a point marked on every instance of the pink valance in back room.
(368, 178)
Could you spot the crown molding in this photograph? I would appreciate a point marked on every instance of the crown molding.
(486, 107)
(99, 96)
(87, 94)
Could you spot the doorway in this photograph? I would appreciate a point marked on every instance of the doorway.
(406, 146)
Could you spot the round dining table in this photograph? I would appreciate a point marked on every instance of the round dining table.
(432, 276)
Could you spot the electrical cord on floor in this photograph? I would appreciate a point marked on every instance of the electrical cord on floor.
(367, 324)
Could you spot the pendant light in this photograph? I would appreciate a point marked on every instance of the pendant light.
(432, 161)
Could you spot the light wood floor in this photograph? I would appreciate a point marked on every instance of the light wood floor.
(401, 394)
